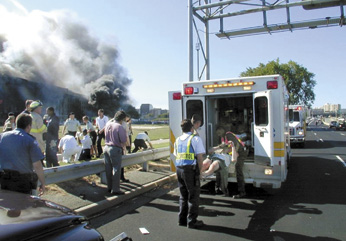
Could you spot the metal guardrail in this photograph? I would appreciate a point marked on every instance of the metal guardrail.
(74, 171)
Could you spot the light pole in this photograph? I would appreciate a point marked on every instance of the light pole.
(198, 48)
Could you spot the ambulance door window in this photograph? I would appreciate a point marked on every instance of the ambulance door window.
(261, 111)
(194, 107)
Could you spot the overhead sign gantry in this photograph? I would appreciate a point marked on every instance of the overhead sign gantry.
(206, 12)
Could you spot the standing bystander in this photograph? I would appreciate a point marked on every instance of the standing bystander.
(189, 151)
(115, 140)
(86, 146)
(9, 124)
(130, 133)
(92, 133)
(20, 159)
(101, 122)
(52, 138)
(72, 125)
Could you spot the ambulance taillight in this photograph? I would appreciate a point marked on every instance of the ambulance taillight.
(177, 96)
(188, 90)
(272, 84)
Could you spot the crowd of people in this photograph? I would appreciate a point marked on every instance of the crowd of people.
(30, 142)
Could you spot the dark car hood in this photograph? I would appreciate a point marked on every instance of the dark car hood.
(28, 216)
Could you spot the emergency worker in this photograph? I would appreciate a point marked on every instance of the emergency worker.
(20, 159)
(52, 138)
(27, 106)
(196, 122)
(189, 151)
(38, 128)
(72, 125)
(241, 151)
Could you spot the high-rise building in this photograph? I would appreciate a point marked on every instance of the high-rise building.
(145, 109)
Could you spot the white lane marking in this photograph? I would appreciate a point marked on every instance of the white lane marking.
(342, 134)
(320, 140)
(341, 160)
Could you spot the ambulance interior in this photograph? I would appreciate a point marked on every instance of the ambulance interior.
(234, 114)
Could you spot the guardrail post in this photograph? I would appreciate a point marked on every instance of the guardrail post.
(145, 166)
(103, 178)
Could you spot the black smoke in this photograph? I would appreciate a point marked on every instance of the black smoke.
(58, 48)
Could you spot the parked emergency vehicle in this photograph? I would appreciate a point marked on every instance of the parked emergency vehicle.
(297, 115)
(254, 108)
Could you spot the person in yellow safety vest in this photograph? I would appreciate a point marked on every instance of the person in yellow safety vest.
(189, 151)
(38, 128)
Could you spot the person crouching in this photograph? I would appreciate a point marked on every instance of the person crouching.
(69, 147)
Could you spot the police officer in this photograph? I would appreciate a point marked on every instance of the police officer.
(189, 151)
(20, 159)
(240, 150)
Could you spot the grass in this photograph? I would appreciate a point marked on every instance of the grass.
(155, 132)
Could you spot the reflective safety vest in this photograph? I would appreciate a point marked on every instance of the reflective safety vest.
(185, 153)
(37, 129)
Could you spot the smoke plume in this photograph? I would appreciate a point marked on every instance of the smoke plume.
(57, 48)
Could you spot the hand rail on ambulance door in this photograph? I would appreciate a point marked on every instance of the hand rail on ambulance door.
(253, 134)
(211, 139)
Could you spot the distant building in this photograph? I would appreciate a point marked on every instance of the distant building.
(334, 108)
(157, 111)
(145, 109)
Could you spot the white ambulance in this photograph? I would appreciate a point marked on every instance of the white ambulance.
(298, 114)
(254, 108)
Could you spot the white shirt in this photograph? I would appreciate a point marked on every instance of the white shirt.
(101, 122)
(68, 142)
(86, 142)
(196, 143)
(142, 136)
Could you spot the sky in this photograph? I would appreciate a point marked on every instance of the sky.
(151, 38)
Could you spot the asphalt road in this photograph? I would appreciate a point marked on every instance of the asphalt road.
(309, 206)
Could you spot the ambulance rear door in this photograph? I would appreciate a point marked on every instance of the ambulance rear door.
(263, 128)
(195, 105)
(175, 117)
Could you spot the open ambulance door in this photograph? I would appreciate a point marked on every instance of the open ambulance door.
(175, 118)
(263, 128)
(195, 105)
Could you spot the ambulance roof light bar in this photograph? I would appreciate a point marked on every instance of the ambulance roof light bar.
(225, 85)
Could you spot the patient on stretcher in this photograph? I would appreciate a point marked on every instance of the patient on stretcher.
(218, 161)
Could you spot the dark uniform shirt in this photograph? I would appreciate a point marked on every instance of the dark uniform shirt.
(52, 128)
(19, 151)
